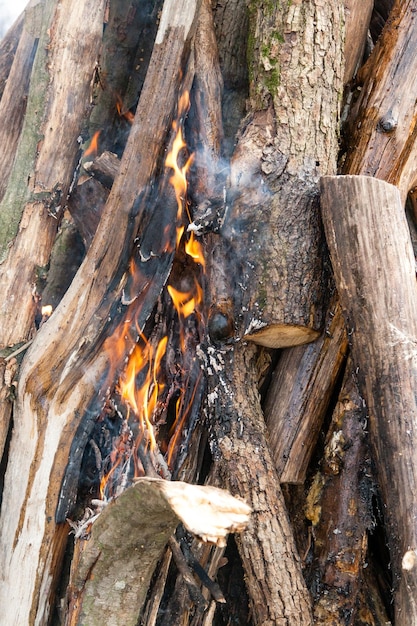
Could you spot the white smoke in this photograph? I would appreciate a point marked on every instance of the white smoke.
(9, 11)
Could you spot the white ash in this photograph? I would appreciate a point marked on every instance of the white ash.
(254, 326)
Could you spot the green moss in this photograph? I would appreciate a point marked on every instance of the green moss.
(19, 184)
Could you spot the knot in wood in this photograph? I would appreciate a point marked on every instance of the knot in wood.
(387, 124)
(221, 323)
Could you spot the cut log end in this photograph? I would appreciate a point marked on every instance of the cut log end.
(282, 336)
(208, 512)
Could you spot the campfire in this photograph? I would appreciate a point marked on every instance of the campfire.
(207, 338)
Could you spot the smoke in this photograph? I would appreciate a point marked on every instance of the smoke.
(9, 12)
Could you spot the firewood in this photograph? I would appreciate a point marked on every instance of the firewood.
(338, 506)
(294, 411)
(8, 46)
(71, 338)
(374, 267)
(381, 137)
(41, 175)
(276, 165)
(13, 101)
(358, 16)
(126, 540)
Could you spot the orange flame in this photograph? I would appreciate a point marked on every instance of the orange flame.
(142, 401)
(179, 177)
(194, 249)
(93, 147)
(186, 303)
(128, 115)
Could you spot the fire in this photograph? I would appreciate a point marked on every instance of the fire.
(126, 114)
(142, 400)
(46, 310)
(93, 147)
(142, 383)
(187, 302)
(194, 249)
(179, 177)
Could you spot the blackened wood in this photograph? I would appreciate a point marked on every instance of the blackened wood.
(71, 339)
(374, 268)
(339, 508)
(281, 153)
(299, 395)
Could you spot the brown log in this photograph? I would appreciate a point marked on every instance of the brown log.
(374, 267)
(116, 553)
(8, 46)
(51, 403)
(338, 506)
(381, 138)
(282, 151)
(357, 19)
(244, 466)
(299, 395)
(41, 176)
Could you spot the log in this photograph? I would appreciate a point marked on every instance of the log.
(339, 508)
(117, 551)
(357, 19)
(51, 405)
(381, 138)
(243, 465)
(14, 98)
(40, 179)
(299, 396)
(8, 46)
(374, 268)
(279, 287)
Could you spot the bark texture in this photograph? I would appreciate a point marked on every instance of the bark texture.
(287, 142)
(374, 267)
(51, 403)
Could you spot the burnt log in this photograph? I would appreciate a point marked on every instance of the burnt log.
(51, 403)
(373, 261)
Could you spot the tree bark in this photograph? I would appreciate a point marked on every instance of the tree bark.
(127, 539)
(51, 403)
(374, 267)
(288, 141)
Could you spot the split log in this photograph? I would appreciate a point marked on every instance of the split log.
(51, 404)
(289, 140)
(115, 559)
(299, 396)
(374, 267)
(8, 46)
(41, 175)
(357, 19)
(14, 99)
